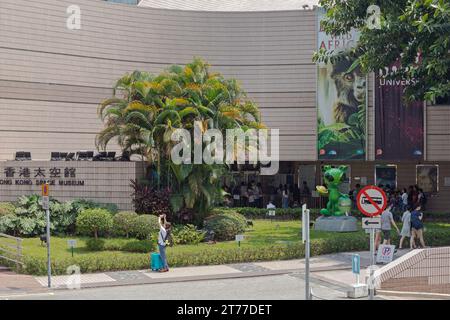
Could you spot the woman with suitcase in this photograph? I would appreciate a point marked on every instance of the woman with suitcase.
(164, 240)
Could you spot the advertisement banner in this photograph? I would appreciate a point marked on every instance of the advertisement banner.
(342, 100)
(399, 129)
(427, 177)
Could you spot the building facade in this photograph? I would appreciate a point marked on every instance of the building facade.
(52, 78)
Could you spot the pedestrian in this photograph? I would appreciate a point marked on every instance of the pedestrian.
(417, 227)
(406, 228)
(236, 196)
(404, 199)
(387, 220)
(422, 199)
(415, 196)
(259, 195)
(306, 193)
(164, 240)
(280, 196)
(285, 197)
(251, 195)
(296, 193)
(244, 194)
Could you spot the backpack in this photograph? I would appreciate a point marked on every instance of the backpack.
(169, 239)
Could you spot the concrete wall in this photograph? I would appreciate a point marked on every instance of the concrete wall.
(419, 271)
(52, 78)
(104, 182)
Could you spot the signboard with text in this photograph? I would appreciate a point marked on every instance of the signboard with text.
(63, 176)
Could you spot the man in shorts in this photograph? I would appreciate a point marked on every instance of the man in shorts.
(387, 220)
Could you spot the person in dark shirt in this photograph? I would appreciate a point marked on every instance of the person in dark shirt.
(306, 193)
(417, 227)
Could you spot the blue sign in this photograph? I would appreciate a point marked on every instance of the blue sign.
(356, 263)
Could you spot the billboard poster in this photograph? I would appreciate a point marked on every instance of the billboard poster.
(399, 128)
(386, 176)
(427, 177)
(342, 100)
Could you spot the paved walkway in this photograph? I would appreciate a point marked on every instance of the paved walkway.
(14, 284)
(333, 270)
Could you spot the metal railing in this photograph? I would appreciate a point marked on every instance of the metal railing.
(11, 249)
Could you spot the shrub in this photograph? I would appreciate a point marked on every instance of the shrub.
(83, 204)
(6, 208)
(140, 246)
(187, 234)
(94, 244)
(147, 199)
(224, 226)
(28, 218)
(144, 226)
(123, 223)
(94, 222)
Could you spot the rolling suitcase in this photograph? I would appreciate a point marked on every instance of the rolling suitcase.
(156, 262)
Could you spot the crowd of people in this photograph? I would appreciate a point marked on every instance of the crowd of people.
(251, 195)
(412, 227)
(406, 206)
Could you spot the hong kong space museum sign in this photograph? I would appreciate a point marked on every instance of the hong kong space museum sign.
(28, 176)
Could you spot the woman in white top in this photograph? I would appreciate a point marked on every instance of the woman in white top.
(406, 227)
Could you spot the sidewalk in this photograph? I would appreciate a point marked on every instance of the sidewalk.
(15, 284)
(334, 269)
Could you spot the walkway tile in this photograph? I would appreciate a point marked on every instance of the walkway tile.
(192, 272)
(248, 267)
(281, 265)
(134, 276)
(65, 281)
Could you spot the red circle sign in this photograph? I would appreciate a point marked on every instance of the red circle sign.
(371, 201)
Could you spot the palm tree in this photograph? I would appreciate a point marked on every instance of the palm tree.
(149, 108)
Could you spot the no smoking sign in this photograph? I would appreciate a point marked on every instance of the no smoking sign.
(371, 201)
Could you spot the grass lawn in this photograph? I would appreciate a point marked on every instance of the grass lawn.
(263, 233)
(265, 241)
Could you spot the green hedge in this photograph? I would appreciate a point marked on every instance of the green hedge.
(112, 261)
(296, 213)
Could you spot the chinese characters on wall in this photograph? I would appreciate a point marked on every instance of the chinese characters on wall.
(37, 176)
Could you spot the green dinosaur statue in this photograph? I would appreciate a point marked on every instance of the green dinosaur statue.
(338, 203)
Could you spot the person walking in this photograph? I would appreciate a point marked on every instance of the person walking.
(285, 197)
(404, 197)
(244, 194)
(387, 220)
(164, 239)
(417, 227)
(406, 228)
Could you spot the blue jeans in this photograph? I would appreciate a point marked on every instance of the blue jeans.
(162, 253)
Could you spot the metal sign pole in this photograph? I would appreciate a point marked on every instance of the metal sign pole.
(49, 266)
(46, 207)
(372, 259)
(307, 254)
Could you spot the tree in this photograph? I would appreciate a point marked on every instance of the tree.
(400, 30)
(147, 109)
